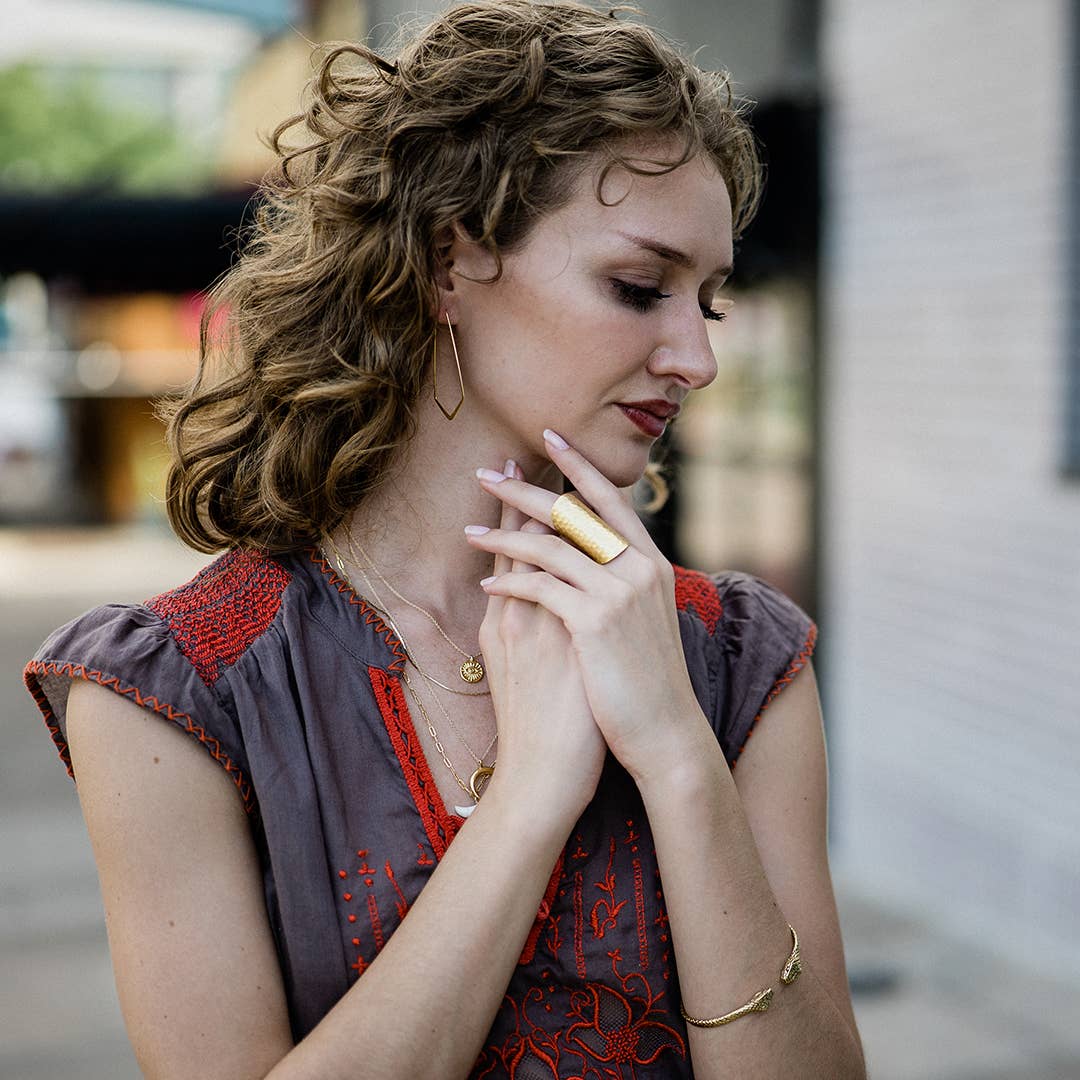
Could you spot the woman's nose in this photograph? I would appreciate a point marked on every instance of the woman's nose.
(688, 357)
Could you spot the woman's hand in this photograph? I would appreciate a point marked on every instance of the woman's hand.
(550, 749)
(621, 617)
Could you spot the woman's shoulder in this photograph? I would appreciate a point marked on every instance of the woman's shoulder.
(724, 602)
(208, 621)
(756, 639)
(168, 653)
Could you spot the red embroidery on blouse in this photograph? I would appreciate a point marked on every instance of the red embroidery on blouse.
(615, 1029)
(697, 591)
(370, 616)
(376, 922)
(601, 924)
(401, 903)
(438, 825)
(37, 668)
(622, 1028)
(553, 940)
(542, 914)
(793, 669)
(579, 953)
(639, 912)
(227, 606)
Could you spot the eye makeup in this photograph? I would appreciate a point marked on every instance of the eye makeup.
(643, 297)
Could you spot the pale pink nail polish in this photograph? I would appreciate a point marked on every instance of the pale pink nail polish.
(487, 580)
(556, 439)
(490, 475)
(476, 530)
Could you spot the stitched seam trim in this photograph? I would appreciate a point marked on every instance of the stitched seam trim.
(795, 667)
(37, 668)
(368, 613)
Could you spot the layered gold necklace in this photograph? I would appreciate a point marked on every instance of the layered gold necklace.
(483, 772)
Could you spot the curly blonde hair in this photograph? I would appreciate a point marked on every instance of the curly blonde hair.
(315, 345)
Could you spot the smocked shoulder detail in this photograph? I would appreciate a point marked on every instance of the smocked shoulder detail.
(697, 592)
(216, 617)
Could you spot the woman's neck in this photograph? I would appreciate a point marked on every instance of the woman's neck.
(411, 528)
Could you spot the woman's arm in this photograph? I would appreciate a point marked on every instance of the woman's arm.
(742, 855)
(193, 954)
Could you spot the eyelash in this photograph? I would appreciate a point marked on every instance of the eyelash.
(641, 298)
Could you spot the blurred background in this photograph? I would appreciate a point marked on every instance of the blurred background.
(893, 438)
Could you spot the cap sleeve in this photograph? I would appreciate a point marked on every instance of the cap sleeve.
(131, 650)
(762, 640)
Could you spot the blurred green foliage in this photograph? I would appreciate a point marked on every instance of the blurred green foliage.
(59, 133)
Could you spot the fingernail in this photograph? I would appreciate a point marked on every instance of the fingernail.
(556, 439)
(487, 580)
(490, 475)
(476, 530)
(510, 467)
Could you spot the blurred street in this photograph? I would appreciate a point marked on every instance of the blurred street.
(929, 1009)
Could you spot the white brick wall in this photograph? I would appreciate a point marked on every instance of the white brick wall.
(952, 556)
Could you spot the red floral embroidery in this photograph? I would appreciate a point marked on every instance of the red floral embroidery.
(616, 1027)
(621, 1027)
(602, 923)
(217, 615)
(697, 591)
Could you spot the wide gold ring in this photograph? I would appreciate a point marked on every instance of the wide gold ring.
(576, 522)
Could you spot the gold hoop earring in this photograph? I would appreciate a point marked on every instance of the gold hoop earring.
(435, 371)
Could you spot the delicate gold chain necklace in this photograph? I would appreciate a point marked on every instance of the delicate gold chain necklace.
(380, 607)
(478, 758)
(472, 671)
(483, 772)
(475, 787)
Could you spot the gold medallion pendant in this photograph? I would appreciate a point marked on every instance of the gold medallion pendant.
(472, 671)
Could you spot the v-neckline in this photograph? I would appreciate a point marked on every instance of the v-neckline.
(403, 734)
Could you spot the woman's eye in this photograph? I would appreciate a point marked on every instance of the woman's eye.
(642, 297)
(639, 297)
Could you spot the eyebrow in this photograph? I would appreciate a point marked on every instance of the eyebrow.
(670, 254)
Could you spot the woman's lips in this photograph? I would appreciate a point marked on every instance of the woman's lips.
(648, 422)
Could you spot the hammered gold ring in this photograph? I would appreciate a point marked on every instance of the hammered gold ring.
(585, 529)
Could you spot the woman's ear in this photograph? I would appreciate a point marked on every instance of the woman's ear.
(460, 263)
(444, 258)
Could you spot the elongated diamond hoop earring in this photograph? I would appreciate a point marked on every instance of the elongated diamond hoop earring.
(435, 371)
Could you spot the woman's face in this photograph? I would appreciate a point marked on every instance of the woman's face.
(601, 307)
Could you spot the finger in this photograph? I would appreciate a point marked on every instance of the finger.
(546, 551)
(522, 566)
(599, 492)
(561, 599)
(510, 518)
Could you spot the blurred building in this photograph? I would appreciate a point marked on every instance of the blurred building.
(133, 139)
(951, 440)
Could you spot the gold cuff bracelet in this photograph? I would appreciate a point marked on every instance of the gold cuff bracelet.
(760, 1001)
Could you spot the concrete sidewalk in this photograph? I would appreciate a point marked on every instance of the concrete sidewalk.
(929, 1008)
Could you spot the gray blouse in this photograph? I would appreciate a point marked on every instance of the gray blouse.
(291, 682)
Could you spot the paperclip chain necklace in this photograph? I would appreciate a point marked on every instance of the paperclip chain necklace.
(472, 671)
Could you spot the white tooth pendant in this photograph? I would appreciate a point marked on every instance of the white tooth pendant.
(464, 811)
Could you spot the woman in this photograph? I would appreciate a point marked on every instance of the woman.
(429, 686)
